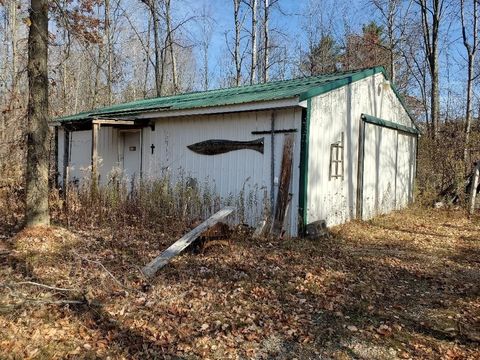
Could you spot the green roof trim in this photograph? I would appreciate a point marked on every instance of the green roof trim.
(389, 124)
(301, 88)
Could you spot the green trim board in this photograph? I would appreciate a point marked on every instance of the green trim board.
(389, 124)
(301, 89)
(304, 148)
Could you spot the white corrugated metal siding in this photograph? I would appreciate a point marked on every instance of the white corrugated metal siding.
(231, 173)
(379, 178)
(226, 175)
(81, 154)
(334, 200)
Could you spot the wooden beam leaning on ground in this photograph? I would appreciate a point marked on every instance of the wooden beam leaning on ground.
(283, 197)
(181, 244)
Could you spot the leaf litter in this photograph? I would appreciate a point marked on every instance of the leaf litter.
(402, 286)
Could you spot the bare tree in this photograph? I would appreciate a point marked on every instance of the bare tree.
(109, 54)
(394, 14)
(37, 212)
(170, 45)
(266, 39)
(431, 13)
(237, 56)
(470, 41)
(205, 39)
(153, 8)
(253, 5)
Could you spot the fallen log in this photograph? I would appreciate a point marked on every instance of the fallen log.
(176, 248)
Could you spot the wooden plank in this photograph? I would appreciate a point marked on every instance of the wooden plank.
(280, 131)
(113, 122)
(360, 169)
(284, 185)
(181, 244)
(473, 190)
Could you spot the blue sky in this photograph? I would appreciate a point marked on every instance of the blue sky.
(291, 22)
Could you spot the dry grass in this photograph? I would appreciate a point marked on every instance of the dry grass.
(402, 286)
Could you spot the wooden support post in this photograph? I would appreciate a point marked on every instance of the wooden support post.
(360, 168)
(272, 162)
(284, 185)
(95, 131)
(473, 190)
(164, 258)
(66, 161)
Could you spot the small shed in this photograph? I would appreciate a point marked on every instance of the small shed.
(352, 143)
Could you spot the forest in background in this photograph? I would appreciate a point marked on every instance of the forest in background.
(106, 52)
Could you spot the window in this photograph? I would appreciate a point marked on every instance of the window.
(336, 159)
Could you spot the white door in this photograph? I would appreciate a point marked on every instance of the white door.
(131, 155)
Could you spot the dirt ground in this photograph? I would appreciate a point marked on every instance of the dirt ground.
(403, 286)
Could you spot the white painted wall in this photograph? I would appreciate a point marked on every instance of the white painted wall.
(379, 187)
(334, 200)
(81, 154)
(226, 174)
(230, 173)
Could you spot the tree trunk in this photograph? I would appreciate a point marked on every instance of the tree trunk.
(266, 40)
(468, 111)
(37, 212)
(435, 102)
(168, 20)
(430, 38)
(158, 50)
(253, 66)
(236, 51)
(108, 40)
(471, 47)
(147, 65)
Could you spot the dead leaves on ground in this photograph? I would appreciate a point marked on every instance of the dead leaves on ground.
(401, 286)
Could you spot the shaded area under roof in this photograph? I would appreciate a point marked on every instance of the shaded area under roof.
(275, 90)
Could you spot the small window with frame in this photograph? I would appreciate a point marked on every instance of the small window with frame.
(336, 159)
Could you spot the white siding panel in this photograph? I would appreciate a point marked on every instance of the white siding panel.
(230, 174)
(81, 155)
(108, 159)
(337, 111)
(380, 159)
(405, 170)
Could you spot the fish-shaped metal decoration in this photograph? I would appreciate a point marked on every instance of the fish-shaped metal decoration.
(215, 147)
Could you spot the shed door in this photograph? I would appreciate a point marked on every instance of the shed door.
(405, 170)
(379, 173)
(131, 155)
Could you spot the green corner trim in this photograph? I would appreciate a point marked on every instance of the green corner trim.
(304, 148)
(389, 124)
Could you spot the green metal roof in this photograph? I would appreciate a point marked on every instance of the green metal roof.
(303, 88)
